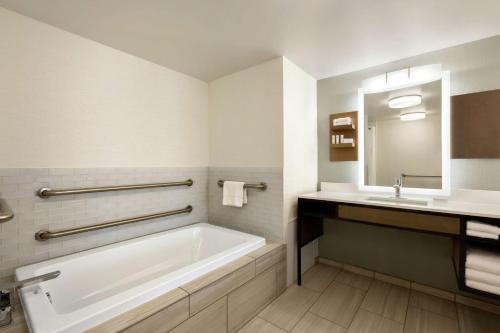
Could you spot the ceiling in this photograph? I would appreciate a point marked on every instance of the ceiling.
(377, 108)
(208, 39)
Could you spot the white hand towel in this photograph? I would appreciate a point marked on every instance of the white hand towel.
(483, 261)
(483, 227)
(482, 286)
(483, 277)
(481, 234)
(342, 121)
(234, 194)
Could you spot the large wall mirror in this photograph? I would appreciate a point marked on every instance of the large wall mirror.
(404, 131)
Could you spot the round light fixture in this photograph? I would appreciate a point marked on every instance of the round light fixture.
(405, 101)
(412, 115)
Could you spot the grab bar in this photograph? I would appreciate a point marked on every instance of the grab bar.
(44, 235)
(6, 213)
(404, 175)
(48, 192)
(260, 186)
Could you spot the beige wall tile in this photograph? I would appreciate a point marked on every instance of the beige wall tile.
(139, 313)
(319, 277)
(247, 300)
(209, 294)
(433, 291)
(338, 303)
(358, 270)
(210, 320)
(270, 258)
(422, 321)
(266, 249)
(330, 262)
(387, 300)
(433, 304)
(281, 277)
(164, 320)
(311, 323)
(354, 280)
(367, 322)
(393, 280)
(216, 275)
(287, 310)
(261, 326)
(473, 320)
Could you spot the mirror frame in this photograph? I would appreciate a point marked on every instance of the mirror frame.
(445, 142)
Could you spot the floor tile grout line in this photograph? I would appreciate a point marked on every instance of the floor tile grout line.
(434, 312)
(407, 308)
(267, 321)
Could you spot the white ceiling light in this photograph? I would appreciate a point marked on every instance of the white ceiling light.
(405, 101)
(412, 115)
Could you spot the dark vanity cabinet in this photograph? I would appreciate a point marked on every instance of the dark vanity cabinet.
(313, 213)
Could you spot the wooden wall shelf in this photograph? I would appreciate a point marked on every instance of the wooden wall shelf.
(344, 151)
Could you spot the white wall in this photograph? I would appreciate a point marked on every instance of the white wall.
(300, 146)
(246, 117)
(66, 101)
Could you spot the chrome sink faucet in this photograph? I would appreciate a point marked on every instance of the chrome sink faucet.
(397, 187)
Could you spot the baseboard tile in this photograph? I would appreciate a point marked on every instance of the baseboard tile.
(329, 262)
(485, 306)
(433, 291)
(393, 280)
(359, 270)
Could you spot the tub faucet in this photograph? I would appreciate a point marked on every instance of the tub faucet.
(8, 290)
(397, 187)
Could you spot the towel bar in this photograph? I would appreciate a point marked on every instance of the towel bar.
(48, 192)
(260, 186)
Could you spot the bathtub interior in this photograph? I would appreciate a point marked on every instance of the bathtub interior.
(90, 278)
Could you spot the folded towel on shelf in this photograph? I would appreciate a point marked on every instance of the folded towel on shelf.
(482, 286)
(483, 277)
(481, 234)
(483, 227)
(234, 194)
(483, 261)
(342, 121)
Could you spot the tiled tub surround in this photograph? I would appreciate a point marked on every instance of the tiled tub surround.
(263, 215)
(221, 301)
(18, 246)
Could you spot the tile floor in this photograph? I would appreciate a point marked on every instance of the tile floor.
(336, 301)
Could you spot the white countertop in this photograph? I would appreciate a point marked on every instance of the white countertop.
(448, 206)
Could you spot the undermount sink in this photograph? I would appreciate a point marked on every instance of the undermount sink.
(404, 201)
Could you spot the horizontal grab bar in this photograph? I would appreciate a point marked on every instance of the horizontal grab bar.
(6, 213)
(47, 192)
(44, 235)
(260, 186)
(404, 175)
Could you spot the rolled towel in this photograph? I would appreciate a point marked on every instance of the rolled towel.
(483, 227)
(482, 286)
(483, 277)
(481, 234)
(483, 261)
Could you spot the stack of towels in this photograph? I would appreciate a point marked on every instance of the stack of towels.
(482, 230)
(342, 121)
(234, 194)
(482, 270)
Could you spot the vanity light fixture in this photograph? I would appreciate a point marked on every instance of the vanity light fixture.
(405, 101)
(402, 78)
(412, 115)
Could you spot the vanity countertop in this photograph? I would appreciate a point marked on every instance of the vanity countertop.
(446, 206)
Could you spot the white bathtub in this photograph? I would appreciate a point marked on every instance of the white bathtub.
(96, 285)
